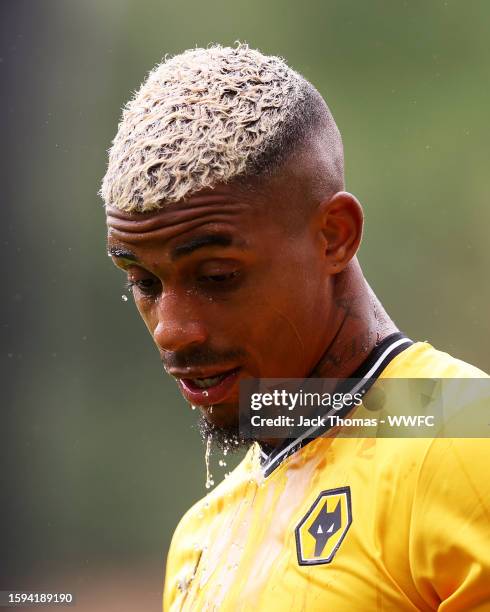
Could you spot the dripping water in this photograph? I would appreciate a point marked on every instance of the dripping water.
(209, 476)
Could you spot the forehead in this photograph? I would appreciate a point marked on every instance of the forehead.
(233, 216)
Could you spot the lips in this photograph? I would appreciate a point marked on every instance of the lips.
(210, 389)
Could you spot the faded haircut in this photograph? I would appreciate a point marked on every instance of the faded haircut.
(209, 116)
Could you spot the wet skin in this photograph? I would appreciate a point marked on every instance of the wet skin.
(247, 282)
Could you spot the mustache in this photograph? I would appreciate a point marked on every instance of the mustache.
(199, 357)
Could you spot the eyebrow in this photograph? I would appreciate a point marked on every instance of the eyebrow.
(121, 253)
(199, 242)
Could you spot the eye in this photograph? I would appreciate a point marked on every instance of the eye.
(146, 286)
(221, 278)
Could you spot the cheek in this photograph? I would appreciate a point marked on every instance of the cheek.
(148, 314)
(292, 317)
(267, 324)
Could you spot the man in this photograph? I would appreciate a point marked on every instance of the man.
(226, 209)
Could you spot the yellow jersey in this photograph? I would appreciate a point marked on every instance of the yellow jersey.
(345, 524)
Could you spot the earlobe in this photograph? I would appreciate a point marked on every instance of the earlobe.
(341, 227)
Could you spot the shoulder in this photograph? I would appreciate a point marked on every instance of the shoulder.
(450, 523)
(422, 360)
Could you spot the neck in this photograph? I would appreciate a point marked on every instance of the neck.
(360, 323)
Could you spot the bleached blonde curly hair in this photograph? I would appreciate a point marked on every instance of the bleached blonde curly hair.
(208, 116)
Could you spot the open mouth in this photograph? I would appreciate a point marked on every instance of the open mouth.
(209, 390)
(206, 383)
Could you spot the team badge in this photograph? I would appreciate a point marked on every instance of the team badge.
(321, 531)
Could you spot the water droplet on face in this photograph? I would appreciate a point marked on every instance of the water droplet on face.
(193, 407)
(210, 410)
(205, 393)
(124, 298)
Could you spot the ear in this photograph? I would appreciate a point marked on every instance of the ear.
(341, 221)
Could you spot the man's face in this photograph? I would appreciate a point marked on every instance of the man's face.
(228, 288)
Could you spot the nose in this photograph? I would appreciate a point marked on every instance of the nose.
(178, 326)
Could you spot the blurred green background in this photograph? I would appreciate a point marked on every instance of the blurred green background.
(99, 454)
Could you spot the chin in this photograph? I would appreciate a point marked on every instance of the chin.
(224, 434)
